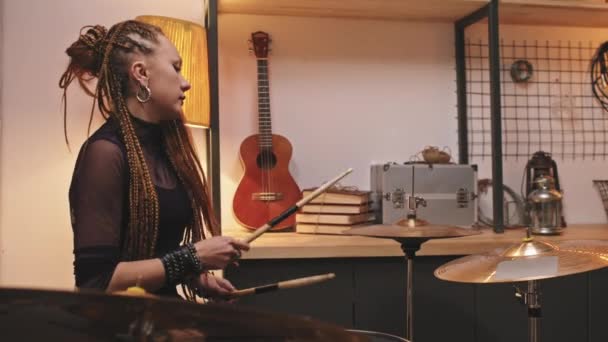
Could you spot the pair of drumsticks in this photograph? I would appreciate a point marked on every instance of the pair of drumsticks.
(258, 232)
(138, 291)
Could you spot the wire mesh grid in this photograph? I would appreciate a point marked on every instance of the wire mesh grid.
(554, 111)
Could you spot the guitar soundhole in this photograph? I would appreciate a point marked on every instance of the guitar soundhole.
(266, 160)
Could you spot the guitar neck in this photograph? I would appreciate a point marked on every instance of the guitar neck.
(264, 123)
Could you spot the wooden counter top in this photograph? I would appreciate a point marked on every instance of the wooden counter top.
(279, 245)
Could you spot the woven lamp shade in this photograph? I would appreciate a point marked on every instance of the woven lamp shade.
(190, 39)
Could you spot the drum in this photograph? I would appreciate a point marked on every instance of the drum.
(374, 336)
(53, 315)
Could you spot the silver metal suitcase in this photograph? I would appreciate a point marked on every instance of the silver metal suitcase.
(450, 192)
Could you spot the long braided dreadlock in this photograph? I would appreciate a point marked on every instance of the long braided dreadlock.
(105, 55)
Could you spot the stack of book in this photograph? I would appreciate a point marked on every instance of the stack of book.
(335, 211)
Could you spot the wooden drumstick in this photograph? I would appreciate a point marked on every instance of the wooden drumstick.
(295, 207)
(283, 285)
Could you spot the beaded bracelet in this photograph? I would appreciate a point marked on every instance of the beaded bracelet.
(198, 266)
(180, 264)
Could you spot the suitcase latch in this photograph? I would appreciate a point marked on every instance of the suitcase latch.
(397, 197)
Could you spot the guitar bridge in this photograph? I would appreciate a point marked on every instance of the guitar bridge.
(267, 196)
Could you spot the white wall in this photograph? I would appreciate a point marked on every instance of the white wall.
(36, 238)
(1, 116)
(344, 92)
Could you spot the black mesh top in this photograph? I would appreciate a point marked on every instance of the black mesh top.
(99, 202)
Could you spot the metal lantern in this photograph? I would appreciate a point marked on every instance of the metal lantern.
(545, 207)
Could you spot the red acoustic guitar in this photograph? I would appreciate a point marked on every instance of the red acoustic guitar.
(267, 188)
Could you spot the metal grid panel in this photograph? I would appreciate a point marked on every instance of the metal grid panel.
(554, 111)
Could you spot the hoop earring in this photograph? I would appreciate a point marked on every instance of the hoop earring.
(147, 94)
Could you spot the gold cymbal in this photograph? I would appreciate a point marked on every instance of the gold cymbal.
(400, 232)
(529, 260)
(32, 315)
(412, 222)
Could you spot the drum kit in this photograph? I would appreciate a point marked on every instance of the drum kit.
(528, 261)
(37, 315)
(29, 314)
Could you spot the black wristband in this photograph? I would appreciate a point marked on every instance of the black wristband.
(180, 264)
(198, 266)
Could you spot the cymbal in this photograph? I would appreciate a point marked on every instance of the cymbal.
(529, 260)
(28, 314)
(400, 233)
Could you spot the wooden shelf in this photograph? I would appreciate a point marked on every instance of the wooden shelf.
(427, 10)
(279, 245)
(554, 13)
(523, 12)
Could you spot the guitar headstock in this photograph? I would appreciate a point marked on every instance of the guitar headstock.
(261, 42)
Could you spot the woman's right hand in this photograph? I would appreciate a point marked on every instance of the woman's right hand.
(219, 251)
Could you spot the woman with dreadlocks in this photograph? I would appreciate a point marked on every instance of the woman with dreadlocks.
(138, 189)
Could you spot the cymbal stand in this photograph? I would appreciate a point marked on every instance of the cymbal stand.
(412, 204)
(532, 299)
(410, 246)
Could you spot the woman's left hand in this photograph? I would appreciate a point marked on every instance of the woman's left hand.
(213, 287)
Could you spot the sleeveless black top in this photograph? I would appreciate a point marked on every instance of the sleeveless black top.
(99, 202)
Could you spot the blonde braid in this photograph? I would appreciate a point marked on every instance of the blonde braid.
(143, 214)
(143, 199)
